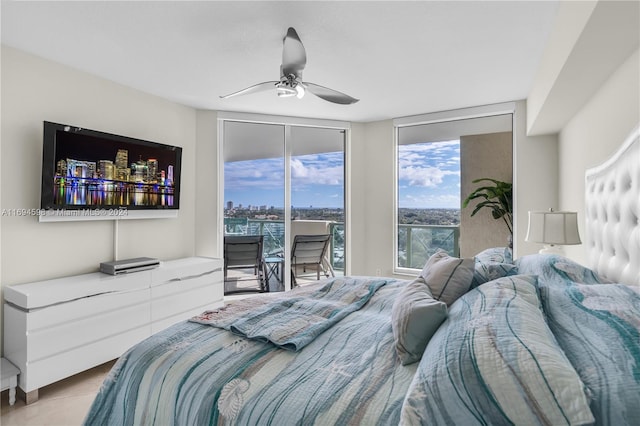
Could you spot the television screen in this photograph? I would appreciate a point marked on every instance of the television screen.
(87, 169)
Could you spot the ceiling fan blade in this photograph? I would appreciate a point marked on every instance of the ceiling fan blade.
(294, 57)
(330, 94)
(260, 87)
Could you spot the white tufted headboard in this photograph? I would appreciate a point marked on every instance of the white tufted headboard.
(612, 218)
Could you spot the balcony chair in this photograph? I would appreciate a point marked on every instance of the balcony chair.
(244, 252)
(310, 251)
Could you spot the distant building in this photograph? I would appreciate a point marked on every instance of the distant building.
(229, 205)
(122, 159)
(81, 169)
(169, 176)
(122, 171)
(106, 169)
(61, 168)
(152, 170)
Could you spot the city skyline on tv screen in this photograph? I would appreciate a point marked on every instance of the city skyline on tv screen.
(100, 172)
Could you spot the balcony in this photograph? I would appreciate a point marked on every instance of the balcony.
(273, 231)
(415, 242)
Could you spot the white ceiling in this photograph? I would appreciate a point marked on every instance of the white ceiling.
(399, 58)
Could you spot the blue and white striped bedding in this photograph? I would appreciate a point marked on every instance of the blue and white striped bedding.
(194, 374)
(494, 361)
(597, 324)
(294, 321)
(553, 347)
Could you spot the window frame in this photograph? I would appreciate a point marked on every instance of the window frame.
(287, 122)
(433, 118)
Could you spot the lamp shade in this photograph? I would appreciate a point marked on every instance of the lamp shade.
(554, 228)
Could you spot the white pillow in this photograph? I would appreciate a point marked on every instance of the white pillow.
(448, 277)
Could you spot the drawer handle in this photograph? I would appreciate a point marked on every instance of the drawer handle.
(195, 276)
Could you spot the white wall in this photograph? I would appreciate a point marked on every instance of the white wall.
(207, 214)
(35, 90)
(372, 190)
(373, 179)
(535, 179)
(586, 93)
(593, 135)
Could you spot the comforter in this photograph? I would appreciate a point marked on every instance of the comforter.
(195, 374)
(541, 340)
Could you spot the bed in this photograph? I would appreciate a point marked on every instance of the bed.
(486, 340)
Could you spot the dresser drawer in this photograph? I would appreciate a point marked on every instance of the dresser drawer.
(66, 327)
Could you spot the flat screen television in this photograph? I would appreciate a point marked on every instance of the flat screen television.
(86, 169)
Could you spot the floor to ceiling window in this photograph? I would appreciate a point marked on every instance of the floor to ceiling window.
(254, 182)
(437, 164)
(317, 186)
(428, 200)
(283, 180)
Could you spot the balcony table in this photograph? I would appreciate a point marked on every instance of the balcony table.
(275, 268)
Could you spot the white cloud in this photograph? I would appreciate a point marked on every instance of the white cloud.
(429, 177)
(305, 172)
(269, 174)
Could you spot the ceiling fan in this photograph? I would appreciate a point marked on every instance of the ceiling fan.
(294, 59)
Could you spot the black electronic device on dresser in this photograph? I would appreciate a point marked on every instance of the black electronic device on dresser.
(125, 266)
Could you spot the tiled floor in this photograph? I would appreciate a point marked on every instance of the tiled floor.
(64, 403)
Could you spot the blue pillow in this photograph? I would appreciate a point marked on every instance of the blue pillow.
(598, 327)
(448, 277)
(553, 269)
(495, 361)
(495, 255)
(415, 316)
(491, 264)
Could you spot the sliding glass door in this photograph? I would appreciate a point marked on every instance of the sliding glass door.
(317, 188)
(254, 185)
(283, 180)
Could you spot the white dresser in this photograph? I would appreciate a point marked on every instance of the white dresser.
(56, 328)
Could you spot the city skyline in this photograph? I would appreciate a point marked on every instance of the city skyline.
(111, 183)
(142, 171)
(83, 147)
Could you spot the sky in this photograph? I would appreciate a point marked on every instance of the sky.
(317, 180)
(429, 175)
(429, 178)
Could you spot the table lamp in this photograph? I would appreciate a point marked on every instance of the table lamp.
(553, 229)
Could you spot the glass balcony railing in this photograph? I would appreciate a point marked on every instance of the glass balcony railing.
(416, 243)
(273, 231)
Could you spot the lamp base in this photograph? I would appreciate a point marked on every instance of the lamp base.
(551, 249)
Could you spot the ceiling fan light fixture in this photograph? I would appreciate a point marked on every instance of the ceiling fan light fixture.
(285, 91)
(299, 91)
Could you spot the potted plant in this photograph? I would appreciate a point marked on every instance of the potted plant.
(496, 196)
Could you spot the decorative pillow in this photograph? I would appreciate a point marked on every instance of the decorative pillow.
(486, 271)
(553, 269)
(598, 326)
(495, 361)
(495, 255)
(415, 316)
(448, 277)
